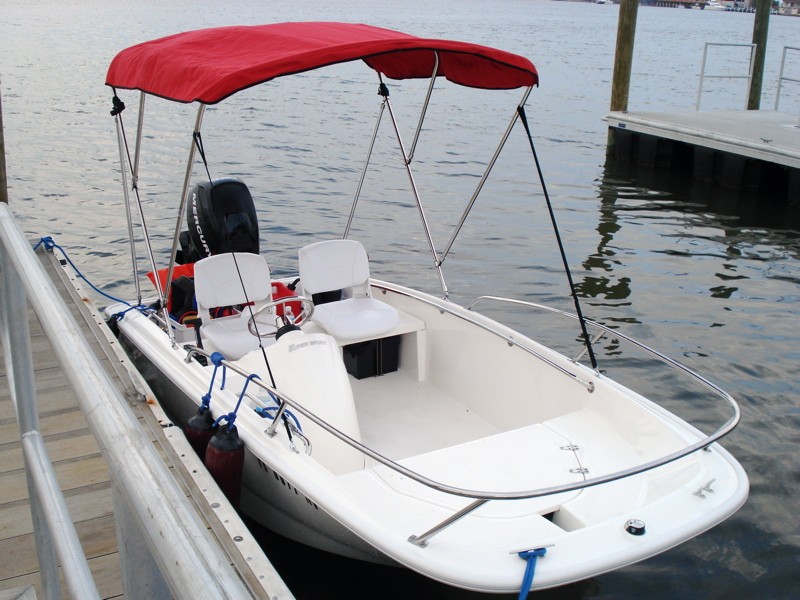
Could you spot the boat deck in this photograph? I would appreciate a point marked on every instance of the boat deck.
(81, 469)
(423, 420)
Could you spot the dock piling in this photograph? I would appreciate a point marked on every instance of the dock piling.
(623, 59)
(760, 31)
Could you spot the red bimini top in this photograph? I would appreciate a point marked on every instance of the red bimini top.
(209, 65)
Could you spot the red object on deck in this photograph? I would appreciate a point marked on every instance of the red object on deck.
(177, 271)
(279, 290)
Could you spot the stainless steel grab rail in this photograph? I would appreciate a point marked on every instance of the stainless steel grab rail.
(716, 389)
(480, 497)
(447, 307)
(748, 77)
(782, 77)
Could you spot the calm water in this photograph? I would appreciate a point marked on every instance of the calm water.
(710, 280)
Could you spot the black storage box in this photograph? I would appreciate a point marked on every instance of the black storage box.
(372, 358)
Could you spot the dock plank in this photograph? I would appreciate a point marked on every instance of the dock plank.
(97, 539)
(60, 447)
(89, 502)
(104, 569)
(53, 422)
(72, 473)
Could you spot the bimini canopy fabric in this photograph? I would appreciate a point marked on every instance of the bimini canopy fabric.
(209, 65)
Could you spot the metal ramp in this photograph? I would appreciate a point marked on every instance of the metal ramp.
(147, 516)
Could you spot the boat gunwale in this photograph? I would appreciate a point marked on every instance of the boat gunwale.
(482, 494)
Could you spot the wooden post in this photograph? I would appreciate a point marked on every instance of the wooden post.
(760, 29)
(3, 180)
(623, 59)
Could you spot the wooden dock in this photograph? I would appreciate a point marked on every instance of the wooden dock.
(82, 471)
(755, 149)
(79, 466)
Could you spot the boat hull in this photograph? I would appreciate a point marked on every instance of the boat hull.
(269, 496)
(369, 514)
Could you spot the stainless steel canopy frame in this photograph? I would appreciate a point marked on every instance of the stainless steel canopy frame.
(407, 158)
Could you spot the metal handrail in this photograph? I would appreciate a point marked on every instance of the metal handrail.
(456, 491)
(781, 78)
(446, 307)
(192, 565)
(54, 532)
(749, 75)
(480, 497)
(716, 389)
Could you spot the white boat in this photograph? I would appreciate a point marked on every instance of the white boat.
(714, 5)
(385, 423)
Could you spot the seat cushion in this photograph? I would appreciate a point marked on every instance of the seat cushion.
(356, 318)
(230, 336)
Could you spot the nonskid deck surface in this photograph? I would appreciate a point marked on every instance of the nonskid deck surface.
(400, 416)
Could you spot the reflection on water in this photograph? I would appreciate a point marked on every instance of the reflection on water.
(675, 188)
(743, 218)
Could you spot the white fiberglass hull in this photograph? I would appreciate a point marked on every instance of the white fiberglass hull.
(471, 410)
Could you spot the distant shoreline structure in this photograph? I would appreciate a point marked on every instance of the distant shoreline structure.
(789, 8)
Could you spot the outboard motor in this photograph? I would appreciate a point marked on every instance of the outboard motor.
(221, 218)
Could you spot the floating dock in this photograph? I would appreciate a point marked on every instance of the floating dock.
(756, 150)
(83, 473)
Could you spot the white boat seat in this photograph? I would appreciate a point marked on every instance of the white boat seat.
(217, 283)
(343, 265)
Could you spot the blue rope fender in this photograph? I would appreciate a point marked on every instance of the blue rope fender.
(530, 557)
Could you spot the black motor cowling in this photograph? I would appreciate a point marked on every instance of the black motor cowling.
(221, 217)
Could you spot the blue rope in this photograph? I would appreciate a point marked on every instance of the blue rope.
(530, 557)
(264, 413)
(231, 417)
(49, 244)
(216, 359)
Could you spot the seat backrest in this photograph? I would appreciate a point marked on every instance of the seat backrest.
(335, 265)
(218, 281)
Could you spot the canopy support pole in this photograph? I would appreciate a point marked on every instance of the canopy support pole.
(424, 107)
(364, 170)
(184, 199)
(138, 150)
(436, 263)
(485, 176)
(123, 171)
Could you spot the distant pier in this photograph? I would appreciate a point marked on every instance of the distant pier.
(674, 3)
(755, 150)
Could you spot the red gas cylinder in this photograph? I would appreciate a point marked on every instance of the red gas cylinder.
(279, 290)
